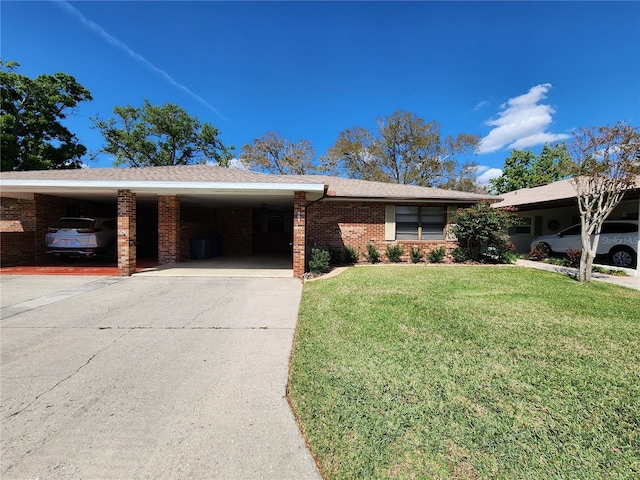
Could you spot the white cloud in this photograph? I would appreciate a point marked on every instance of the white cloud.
(486, 173)
(522, 122)
(481, 105)
(136, 56)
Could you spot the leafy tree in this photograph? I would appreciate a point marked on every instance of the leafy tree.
(525, 169)
(151, 136)
(481, 233)
(31, 115)
(274, 154)
(404, 149)
(606, 162)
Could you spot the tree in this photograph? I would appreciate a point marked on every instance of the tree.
(151, 136)
(404, 149)
(31, 115)
(606, 162)
(481, 233)
(525, 169)
(274, 154)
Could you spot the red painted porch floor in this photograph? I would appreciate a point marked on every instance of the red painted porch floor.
(73, 268)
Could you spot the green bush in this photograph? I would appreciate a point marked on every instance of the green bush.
(437, 255)
(416, 254)
(394, 252)
(319, 262)
(460, 255)
(481, 233)
(372, 255)
(351, 255)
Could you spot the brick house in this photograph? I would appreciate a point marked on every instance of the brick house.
(160, 210)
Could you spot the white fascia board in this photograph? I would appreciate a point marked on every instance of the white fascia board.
(160, 187)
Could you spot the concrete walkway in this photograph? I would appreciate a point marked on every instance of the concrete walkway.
(629, 281)
(148, 378)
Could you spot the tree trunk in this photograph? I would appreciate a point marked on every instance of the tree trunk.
(588, 254)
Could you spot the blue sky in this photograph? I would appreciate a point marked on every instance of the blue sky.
(516, 73)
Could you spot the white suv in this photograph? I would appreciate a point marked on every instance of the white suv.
(83, 237)
(618, 241)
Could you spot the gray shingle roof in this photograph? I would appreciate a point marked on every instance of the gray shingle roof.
(551, 192)
(336, 186)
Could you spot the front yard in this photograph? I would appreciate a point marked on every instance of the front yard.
(468, 372)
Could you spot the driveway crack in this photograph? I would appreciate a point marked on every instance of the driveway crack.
(50, 389)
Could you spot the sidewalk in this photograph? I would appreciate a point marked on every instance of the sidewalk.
(629, 281)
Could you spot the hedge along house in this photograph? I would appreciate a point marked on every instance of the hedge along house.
(160, 210)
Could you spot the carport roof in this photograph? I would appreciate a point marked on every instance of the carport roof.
(548, 194)
(205, 178)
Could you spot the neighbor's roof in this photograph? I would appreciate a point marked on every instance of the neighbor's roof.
(562, 190)
(202, 174)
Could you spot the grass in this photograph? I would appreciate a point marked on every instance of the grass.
(468, 373)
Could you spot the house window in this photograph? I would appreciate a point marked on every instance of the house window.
(524, 227)
(419, 223)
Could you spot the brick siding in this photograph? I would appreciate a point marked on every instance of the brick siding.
(168, 229)
(356, 225)
(126, 233)
(299, 244)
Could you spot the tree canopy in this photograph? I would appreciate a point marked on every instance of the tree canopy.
(274, 154)
(31, 115)
(523, 169)
(404, 149)
(160, 135)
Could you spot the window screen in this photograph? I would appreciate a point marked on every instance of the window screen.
(420, 223)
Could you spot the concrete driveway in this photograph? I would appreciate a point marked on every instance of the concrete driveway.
(148, 377)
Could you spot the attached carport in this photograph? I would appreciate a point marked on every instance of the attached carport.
(238, 212)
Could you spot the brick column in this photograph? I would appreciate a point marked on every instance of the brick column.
(299, 233)
(126, 233)
(168, 229)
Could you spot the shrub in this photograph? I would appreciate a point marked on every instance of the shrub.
(563, 262)
(573, 256)
(319, 262)
(481, 233)
(460, 255)
(372, 255)
(539, 252)
(437, 255)
(394, 252)
(416, 254)
(351, 255)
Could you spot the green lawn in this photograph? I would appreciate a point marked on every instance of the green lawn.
(468, 372)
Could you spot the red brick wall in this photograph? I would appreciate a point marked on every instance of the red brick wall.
(299, 232)
(126, 233)
(236, 227)
(356, 225)
(168, 229)
(195, 222)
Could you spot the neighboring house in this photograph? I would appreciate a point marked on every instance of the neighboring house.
(160, 210)
(549, 208)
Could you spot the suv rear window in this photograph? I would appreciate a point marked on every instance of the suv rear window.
(74, 223)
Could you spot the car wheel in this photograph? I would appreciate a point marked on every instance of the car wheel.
(623, 257)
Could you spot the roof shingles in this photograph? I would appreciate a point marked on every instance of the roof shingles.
(336, 186)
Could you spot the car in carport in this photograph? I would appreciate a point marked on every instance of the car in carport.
(618, 241)
(82, 237)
